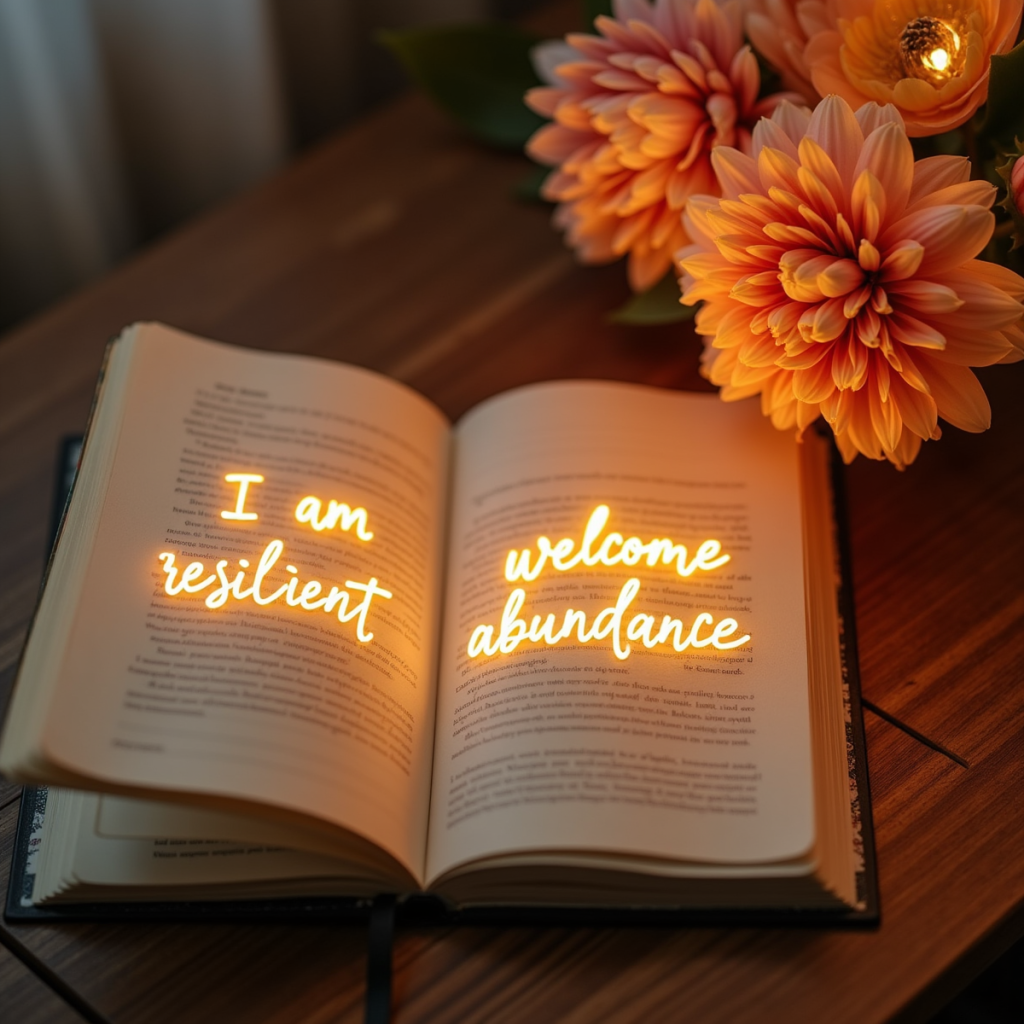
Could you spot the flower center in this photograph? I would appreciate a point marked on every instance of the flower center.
(930, 49)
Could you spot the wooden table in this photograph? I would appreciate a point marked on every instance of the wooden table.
(399, 246)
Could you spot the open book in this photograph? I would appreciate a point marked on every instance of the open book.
(302, 636)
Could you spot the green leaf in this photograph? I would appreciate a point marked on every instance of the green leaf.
(477, 73)
(1004, 111)
(593, 8)
(659, 305)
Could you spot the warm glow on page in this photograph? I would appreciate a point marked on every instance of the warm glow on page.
(613, 550)
(310, 596)
(337, 514)
(194, 579)
(610, 622)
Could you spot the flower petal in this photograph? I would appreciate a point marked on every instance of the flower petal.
(793, 120)
(926, 296)
(965, 193)
(769, 132)
(936, 172)
(958, 394)
(902, 261)
(888, 155)
(646, 267)
(867, 205)
(874, 115)
(951, 235)
(906, 451)
(758, 350)
(777, 170)
(849, 364)
(818, 162)
(544, 100)
(733, 328)
(806, 414)
(815, 383)
(847, 449)
(548, 55)
(909, 330)
(917, 410)
(1001, 277)
(834, 128)
(973, 347)
(829, 321)
(553, 144)
(861, 430)
(885, 418)
(840, 278)
(986, 306)
(736, 172)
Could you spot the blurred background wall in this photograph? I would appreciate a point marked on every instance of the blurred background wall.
(120, 118)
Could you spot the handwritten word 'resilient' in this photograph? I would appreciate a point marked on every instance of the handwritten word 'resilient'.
(194, 579)
(613, 550)
(609, 622)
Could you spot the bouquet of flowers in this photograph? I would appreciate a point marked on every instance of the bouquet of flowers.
(815, 181)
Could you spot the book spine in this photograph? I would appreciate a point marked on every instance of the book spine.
(856, 746)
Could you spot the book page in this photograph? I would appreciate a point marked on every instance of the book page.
(621, 694)
(102, 867)
(260, 606)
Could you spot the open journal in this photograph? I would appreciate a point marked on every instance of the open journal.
(301, 636)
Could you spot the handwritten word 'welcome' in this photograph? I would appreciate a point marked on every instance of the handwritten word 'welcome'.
(613, 550)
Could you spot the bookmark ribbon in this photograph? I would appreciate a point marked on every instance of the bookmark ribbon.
(378, 960)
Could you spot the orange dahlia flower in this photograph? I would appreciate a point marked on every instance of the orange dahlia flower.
(929, 58)
(636, 112)
(779, 30)
(838, 279)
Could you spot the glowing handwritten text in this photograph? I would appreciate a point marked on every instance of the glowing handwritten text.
(608, 622)
(614, 549)
(194, 579)
(243, 480)
(337, 514)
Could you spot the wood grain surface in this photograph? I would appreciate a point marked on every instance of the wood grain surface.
(399, 246)
(27, 999)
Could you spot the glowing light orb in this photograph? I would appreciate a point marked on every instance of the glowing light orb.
(930, 49)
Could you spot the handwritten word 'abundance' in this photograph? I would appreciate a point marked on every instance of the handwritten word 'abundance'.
(627, 551)
(194, 579)
(608, 622)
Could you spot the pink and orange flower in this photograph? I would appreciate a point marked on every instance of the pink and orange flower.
(779, 30)
(929, 58)
(637, 111)
(839, 279)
